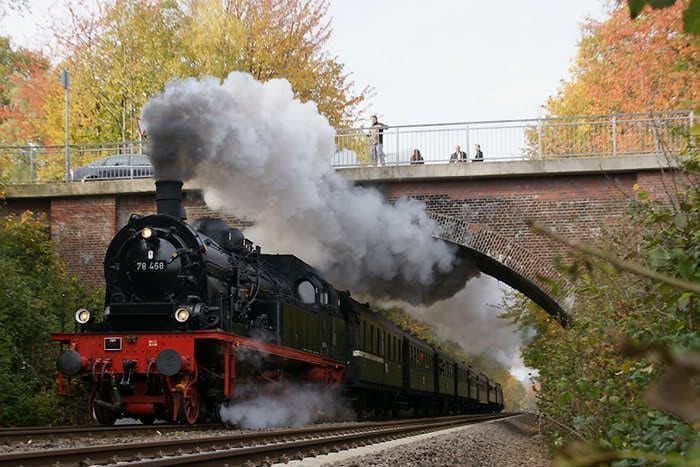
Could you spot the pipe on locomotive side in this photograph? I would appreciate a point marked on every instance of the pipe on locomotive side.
(169, 198)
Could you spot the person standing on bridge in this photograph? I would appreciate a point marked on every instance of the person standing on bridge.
(458, 155)
(478, 156)
(376, 138)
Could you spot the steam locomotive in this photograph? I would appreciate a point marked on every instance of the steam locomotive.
(195, 314)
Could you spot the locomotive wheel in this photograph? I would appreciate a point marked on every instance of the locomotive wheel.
(189, 408)
(102, 415)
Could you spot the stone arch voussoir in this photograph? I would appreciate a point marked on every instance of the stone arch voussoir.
(510, 262)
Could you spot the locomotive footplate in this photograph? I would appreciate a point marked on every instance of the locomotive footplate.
(169, 375)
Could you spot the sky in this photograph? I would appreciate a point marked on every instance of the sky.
(429, 62)
(459, 60)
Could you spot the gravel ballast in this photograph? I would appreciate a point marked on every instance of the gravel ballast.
(504, 443)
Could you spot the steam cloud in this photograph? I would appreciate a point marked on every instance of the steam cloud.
(260, 154)
(295, 405)
(471, 319)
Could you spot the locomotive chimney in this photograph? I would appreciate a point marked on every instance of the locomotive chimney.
(169, 198)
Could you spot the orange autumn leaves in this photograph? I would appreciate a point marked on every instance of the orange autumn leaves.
(630, 66)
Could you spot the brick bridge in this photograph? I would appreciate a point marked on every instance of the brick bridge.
(482, 207)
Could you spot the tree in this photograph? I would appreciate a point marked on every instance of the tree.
(117, 59)
(271, 39)
(25, 76)
(586, 381)
(38, 298)
(649, 64)
(132, 48)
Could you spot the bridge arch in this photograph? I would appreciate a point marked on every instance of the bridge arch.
(505, 260)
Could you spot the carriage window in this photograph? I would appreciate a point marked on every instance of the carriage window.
(307, 292)
(324, 298)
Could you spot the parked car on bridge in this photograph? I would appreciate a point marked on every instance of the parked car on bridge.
(121, 166)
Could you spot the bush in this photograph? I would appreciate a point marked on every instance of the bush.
(38, 297)
(584, 379)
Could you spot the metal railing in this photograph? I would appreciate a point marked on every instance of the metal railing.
(502, 140)
(514, 140)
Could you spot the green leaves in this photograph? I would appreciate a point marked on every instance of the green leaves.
(585, 381)
(38, 297)
(636, 6)
(691, 15)
(691, 18)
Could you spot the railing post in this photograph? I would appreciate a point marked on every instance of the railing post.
(398, 148)
(468, 148)
(131, 159)
(614, 135)
(539, 139)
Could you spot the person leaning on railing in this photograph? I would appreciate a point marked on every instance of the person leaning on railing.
(416, 157)
(458, 155)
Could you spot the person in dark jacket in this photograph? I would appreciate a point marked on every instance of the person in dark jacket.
(458, 155)
(416, 158)
(478, 156)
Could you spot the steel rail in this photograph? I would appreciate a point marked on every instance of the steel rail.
(112, 453)
(13, 433)
(312, 446)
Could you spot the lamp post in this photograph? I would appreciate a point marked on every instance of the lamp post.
(66, 85)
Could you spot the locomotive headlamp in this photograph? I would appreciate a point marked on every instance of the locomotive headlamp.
(182, 314)
(146, 232)
(82, 316)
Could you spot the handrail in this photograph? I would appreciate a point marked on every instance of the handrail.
(680, 113)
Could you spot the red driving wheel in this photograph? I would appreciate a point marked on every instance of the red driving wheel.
(189, 408)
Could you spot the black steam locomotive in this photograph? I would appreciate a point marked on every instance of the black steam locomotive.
(186, 306)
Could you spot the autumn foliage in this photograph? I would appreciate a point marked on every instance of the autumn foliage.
(128, 50)
(630, 66)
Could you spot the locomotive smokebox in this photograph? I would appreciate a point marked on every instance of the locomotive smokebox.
(169, 198)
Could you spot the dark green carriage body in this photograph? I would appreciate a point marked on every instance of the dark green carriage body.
(483, 388)
(419, 365)
(462, 382)
(445, 375)
(374, 357)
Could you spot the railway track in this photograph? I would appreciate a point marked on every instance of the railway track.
(239, 448)
(8, 435)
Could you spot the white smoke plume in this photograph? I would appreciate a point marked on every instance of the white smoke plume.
(295, 405)
(261, 154)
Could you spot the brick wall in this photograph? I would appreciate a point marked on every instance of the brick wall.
(82, 228)
(577, 206)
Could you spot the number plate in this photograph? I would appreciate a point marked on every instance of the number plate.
(151, 266)
(113, 343)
